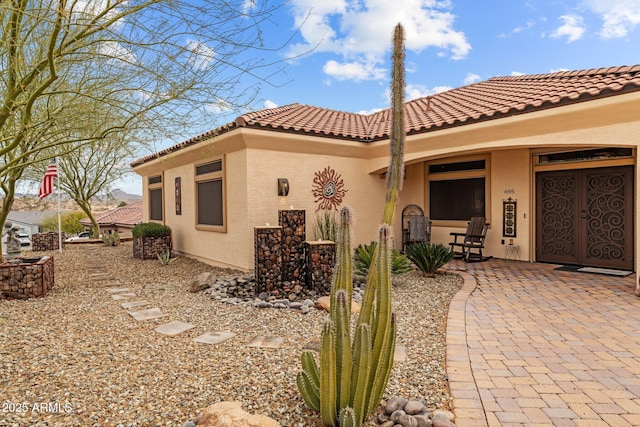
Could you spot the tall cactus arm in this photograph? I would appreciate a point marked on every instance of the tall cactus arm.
(395, 172)
(309, 392)
(328, 386)
(348, 418)
(383, 291)
(360, 372)
(310, 367)
(343, 349)
(367, 313)
(342, 278)
(384, 368)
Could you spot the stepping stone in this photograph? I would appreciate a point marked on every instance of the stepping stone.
(124, 295)
(266, 342)
(174, 328)
(215, 337)
(133, 304)
(152, 313)
(400, 353)
(113, 290)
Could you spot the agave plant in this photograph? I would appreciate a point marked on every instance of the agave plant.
(165, 257)
(429, 257)
(348, 383)
(363, 256)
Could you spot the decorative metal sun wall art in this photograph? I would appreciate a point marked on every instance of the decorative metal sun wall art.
(328, 189)
(509, 207)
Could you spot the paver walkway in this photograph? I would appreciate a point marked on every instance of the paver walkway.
(528, 345)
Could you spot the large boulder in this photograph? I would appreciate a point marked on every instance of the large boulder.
(201, 282)
(231, 414)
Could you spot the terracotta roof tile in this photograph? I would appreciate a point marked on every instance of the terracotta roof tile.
(125, 215)
(493, 98)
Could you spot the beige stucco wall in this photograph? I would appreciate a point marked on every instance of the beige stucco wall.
(251, 176)
(365, 193)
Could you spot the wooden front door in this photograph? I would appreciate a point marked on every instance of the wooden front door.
(585, 217)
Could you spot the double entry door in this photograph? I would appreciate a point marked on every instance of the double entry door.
(585, 217)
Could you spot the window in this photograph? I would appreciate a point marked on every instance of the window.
(457, 191)
(210, 196)
(155, 198)
(457, 199)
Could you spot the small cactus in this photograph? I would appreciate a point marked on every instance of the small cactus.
(352, 376)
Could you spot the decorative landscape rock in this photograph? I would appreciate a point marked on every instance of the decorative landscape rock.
(242, 291)
(231, 414)
(399, 411)
(201, 282)
(292, 222)
(22, 278)
(49, 241)
(323, 303)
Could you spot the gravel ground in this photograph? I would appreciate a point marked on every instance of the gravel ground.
(76, 358)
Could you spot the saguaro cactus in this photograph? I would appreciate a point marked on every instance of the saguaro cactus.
(352, 376)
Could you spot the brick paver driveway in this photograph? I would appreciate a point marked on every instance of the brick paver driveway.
(528, 345)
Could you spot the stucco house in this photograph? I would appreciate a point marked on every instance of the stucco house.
(121, 219)
(550, 160)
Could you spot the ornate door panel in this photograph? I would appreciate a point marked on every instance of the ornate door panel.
(585, 217)
(607, 217)
(557, 213)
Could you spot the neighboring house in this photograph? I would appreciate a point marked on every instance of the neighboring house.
(29, 221)
(121, 219)
(562, 146)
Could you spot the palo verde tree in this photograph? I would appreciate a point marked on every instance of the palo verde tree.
(151, 64)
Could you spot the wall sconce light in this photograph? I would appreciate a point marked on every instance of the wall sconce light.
(283, 187)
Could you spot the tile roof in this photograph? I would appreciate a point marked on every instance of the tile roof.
(490, 99)
(125, 215)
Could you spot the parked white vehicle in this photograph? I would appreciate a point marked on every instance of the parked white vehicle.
(82, 235)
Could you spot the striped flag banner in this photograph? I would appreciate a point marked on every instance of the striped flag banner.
(46, 187)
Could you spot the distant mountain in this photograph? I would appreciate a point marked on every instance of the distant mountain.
(119, 195)
(30, 202)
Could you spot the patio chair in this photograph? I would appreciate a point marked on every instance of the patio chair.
(471, 242)
(415, 226)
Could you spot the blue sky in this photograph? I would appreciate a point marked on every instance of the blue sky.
(345, 47)
(449, 44)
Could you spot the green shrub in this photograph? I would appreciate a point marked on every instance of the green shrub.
(429, 257)
(111, 239)
(70, 222)
(363, 255)
(150, 229)
(325, 227)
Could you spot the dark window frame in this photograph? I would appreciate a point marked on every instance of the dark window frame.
(206, 173)
(454, 172)
(156, 206)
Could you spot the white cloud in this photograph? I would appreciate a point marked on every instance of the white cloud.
(218, 106)
(368, 112)
(619, 16)
(472, 78)
(357, 71)
(270, 104)
(201, 54)
(520, 29)
(115, 50)
(360, 31)
(516, 73)
(420, 91)
(572, 27)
